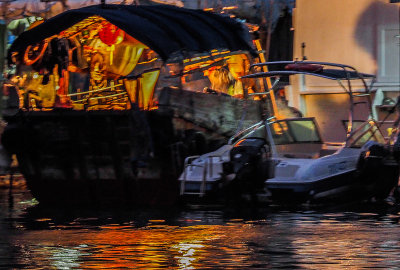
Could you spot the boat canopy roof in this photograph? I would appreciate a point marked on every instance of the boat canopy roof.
(334, 72)
(168, 30)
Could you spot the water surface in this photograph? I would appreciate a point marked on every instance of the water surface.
(354, 236)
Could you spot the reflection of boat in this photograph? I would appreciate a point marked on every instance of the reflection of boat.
(111, 99)
(306, 167)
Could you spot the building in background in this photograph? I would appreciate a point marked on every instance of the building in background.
(364, 34)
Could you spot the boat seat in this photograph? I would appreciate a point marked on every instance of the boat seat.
(310, 155)
(326, 152)
(308, 151)
(300, 155)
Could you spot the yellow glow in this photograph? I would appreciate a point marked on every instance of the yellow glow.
(235, 62)
(213, 53)
(229, 8)
(119, 39)
(187, 254)
(146, 62)
(307, 242)
(148, 82)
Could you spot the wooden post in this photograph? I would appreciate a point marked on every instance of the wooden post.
(268, 80)
(269, 29)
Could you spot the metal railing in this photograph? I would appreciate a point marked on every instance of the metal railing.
(207, 171)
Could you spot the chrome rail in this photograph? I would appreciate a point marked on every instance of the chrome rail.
(207, 172)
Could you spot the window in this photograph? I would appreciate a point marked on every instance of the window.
(295, 131)
(367, 132)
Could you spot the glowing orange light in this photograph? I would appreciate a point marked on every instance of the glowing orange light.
(110, 34)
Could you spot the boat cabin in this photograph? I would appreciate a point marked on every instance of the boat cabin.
(94, 64)
(301, 138)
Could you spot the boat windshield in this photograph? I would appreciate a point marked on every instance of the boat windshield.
(257, 132)
(368, 131)
(290, 131)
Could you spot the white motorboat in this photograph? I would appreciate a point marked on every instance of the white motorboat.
(307, 168)
(292, 158)
(217, 171)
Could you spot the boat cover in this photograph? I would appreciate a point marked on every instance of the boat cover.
(167, 30)
(333, 74)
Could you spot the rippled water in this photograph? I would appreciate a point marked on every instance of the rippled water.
(346, 237)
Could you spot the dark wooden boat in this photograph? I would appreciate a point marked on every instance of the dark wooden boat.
(113, 97)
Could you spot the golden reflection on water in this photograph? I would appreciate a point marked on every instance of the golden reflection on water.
(154, 246)
(290, 240)
(202, 240)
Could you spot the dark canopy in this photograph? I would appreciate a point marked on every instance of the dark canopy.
(332, 74)
(334, 71)
(165, 29)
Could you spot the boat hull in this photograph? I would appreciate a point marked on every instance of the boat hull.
(375, 182)
(130, 157)
(73, 157)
